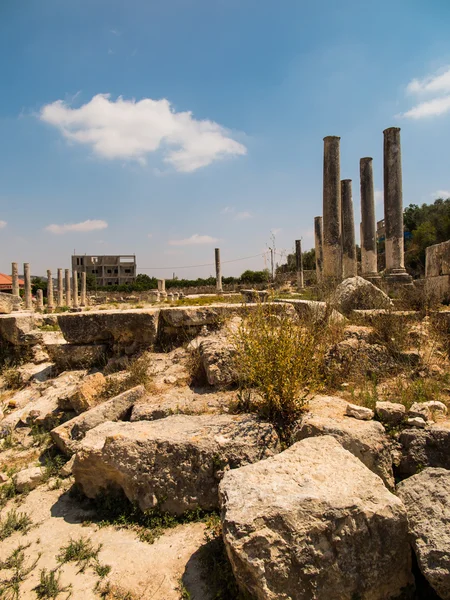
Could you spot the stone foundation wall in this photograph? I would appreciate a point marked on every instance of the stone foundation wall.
(437, 270)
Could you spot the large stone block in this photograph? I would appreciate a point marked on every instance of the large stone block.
(8, 303)
(175, 463)
(123, 330)
(366, 440)
(313, 523)
(358, 293)
(422, 448)
(68, 435)
(427, 500)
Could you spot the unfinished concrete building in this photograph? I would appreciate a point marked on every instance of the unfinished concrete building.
(108, 270)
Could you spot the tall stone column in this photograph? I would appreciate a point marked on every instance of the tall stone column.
(218, 271)
(332, 230)
(75, 289)
(393, 207)
(83, 289)
(27, 281)
(60, 301)
(349, 262)
(50, 303)
(318, 242)
(299, 264)
(39, 300)
(67, 290)
(369, 267)
(15, 279)
(363, 252)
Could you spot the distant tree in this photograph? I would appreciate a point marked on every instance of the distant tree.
(255, 276)
(38, 283)
(91, 281)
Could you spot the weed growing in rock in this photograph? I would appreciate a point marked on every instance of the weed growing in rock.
(7, 491)
(139, 373)
(49, 586)
(281, 359)
(81, 552)
(108, 591)
(53, 460)
(407, 391)
(391, 330)
(102, 570)
(15, 564)
(13, 522)
(12, 378)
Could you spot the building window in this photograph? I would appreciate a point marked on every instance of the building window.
(78, 261)
(127, 270)
(109, 270)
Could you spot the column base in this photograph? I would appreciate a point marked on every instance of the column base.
(374, 278)
(397, 276)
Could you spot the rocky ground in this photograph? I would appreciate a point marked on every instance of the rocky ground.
(125, 433)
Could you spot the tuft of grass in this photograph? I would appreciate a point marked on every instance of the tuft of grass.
(7, 491)
(409, 391)
(15, 564)
(139, 373)
(13, 522)
(117, 511)
(49, 586)
(108, 591)
(391, 330)
(13, 378)
(54, 327)
(102, 570)
(81, 552)
(52, 460)
(9, 441)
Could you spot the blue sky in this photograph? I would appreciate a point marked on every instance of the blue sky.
(166, 128)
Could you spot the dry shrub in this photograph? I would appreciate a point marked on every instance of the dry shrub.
(195, 368)
(408, 391)
(281, 359)
(12, 378)
(138, 373)
(391, 330)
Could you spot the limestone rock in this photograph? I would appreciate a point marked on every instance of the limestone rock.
(8, 303)
(76, 356)
(123, 330)
(28, 479)
(420, 409)
(314, 523)
(426, 497)
(358, 293)
(391, 413)
(36, 373)
(67, 469)
(364, 439)
(416, 422)
(174, 464)
(87, 394)
(353, 357)
(217, 353)
(359, 412)
(68, 435)
(315, 311)
(423, 448)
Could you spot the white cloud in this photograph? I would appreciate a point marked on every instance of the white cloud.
(440, 194)
(89, 225)
(194, 240)
(437, 83)
(150, 235)
(3, 224)
(115, 32)
(379, 196)
(276, 231)
(228, 210)
(241, 216)
(126, 129)
(431, 108)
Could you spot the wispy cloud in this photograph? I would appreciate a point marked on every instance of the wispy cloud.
(194, 240)
(276, 231)
(242, 216)
(436, 85)
(115, 32)
(440, 194)
(85, 226)
(149, 235)
(3, 224)
(228, 210)
(126, 129)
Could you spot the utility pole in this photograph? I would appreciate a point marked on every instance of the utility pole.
(271, 264)
(299, 263)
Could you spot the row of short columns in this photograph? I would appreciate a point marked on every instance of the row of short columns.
(335, 231)
(65, 295)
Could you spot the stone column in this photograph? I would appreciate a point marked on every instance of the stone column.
(83, 289)
(15, 279)
(50, 303)
(218, 272)
(318, 240)
(68, 292)
(74, 289)
(332, 231)
(349, 262)
(60, 288)
(363, 252)
(27, 278)
(393, 207)
(369, 267)
(161, 285)
(39, 300)
(299, 264)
